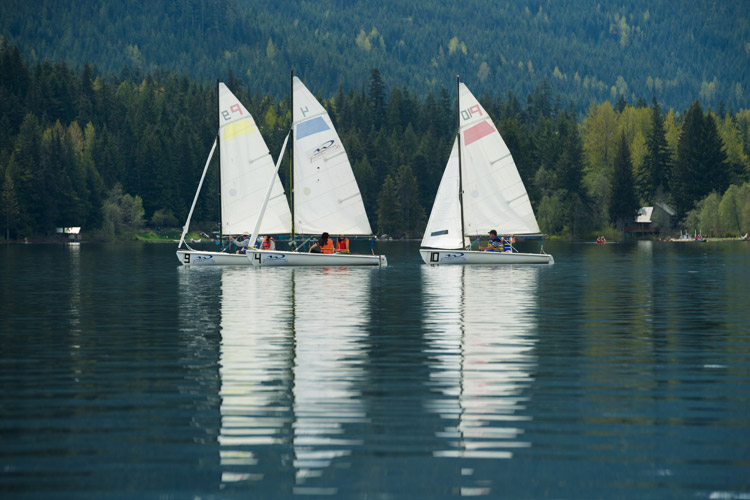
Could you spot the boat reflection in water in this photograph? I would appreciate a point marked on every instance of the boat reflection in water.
(255, 360)
(289, 374)
(481, 332)
(329, 370)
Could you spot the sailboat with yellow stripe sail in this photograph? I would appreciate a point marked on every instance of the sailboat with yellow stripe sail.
(246, 171)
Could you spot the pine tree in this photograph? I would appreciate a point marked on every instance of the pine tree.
(412, 213)
(8, 202)
(389, 208)
(376, 98)
(701, 163)
(714, 156)
(652, 177)
(624, 204)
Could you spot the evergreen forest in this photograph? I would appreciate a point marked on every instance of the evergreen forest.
(676, 51)
(110, 153)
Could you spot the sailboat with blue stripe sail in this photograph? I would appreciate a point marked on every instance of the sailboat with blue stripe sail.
(325, 197)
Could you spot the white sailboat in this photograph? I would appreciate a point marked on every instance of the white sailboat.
(325, 197)
(480, 190)
(246, 171)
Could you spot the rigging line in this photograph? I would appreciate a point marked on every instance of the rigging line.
(197, 192)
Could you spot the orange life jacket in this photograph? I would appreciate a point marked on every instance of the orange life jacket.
(342, 245)
(267, 243)
(328, 247)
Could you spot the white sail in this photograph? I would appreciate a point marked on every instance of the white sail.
(494, 194)
(326, 195)
(246, 171)
(444, 226)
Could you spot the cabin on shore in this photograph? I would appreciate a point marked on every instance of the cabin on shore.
(71, 233)
(650, 221)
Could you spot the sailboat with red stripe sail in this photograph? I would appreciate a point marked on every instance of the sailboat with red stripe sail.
(481, 191)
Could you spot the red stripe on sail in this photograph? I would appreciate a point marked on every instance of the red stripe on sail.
(481, 129)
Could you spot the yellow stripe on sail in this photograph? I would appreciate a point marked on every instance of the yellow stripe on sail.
(237, 129)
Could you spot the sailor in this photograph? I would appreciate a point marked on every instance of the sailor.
(495, 243)
(323, 245)
(268, 243)
(342, 244)
(506, 242)
(242, 243)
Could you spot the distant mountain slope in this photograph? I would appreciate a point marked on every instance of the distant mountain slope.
(677, 51)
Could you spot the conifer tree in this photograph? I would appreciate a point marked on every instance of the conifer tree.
(376, 98)
(624, 204)
(389, 208)
(8, 202)
(412, 213)
(652, 177)
(701, 162)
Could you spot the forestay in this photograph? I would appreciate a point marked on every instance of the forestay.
(247, 169)
(326, 195)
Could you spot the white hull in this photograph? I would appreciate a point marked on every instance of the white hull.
(439, 256)
(282, 258)
(203, 258)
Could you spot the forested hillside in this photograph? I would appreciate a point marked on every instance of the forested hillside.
(676, 51)
(80, 148)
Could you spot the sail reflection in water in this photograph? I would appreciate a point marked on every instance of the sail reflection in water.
(292, 352)
(255, 362)
(480, 332)
(329, 368)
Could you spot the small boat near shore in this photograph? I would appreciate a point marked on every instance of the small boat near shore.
(687, 238)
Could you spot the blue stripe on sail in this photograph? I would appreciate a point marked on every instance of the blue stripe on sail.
(310, 127)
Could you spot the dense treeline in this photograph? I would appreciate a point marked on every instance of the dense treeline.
(79, 148)
(592, 51)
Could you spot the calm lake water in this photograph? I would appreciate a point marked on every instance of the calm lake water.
(621, 371)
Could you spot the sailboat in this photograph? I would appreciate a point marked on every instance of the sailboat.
(246, 169)
(480, 190)
(325, 195)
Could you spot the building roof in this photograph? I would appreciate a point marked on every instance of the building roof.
(644, 215)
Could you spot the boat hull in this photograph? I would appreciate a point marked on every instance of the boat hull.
(204, 258)
(263, 258)
(472, 257)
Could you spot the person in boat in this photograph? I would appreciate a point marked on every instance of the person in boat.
(242, 243)
(268, 243)
(323, 245)
(342, 244)
(507, 242)
(495, 244)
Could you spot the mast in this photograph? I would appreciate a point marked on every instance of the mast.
(218, 125)
(458, 138)
(291, 155)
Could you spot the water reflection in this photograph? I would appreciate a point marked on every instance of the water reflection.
(330, 319)
(291, 361)
(254, 368)
(74, 252)
(480, 327)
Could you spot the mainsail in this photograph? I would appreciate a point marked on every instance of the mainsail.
(326, 195)
(246, 171)
(494, 196)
